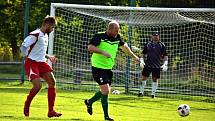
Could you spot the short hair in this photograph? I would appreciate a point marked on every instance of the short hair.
(113, 23)
(50, 20)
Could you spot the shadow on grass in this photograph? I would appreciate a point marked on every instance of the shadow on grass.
(204, 109)
(13, 90)
(148, 99)
(163, 103)
(20, 90)
(15, 118)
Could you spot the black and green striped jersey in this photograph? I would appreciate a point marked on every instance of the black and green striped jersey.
(107, 44)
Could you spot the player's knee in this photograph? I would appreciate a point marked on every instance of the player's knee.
(51, 84)
(154, 79)
(36, 84)
(144, 78)
(37, 87)
(106, 92)
(105, 89)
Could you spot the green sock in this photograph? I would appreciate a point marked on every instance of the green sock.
(104, 101)
(96, 97)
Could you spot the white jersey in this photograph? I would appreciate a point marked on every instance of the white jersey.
(37, 43)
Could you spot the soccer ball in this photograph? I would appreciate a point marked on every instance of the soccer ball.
(183, 110)
(116, 92)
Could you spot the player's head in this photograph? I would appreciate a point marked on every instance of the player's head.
(49, 23)
(113, 29)
(155, 36)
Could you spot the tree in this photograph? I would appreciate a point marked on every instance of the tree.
(12, 24)
(12, 20)
(12, 15)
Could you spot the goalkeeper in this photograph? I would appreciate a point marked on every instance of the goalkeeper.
(104, 47)
(154, 51)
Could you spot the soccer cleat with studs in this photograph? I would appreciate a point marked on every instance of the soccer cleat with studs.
(108, 119)
(26, 111)
(89, 107)
(153, 96)
(140, 94)
(54, 114)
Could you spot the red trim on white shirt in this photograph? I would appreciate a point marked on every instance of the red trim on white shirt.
(31, 47)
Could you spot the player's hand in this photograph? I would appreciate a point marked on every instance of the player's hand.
(24, 58)
(142, 63)
(53, 59)
(106, 54)
(164, 66)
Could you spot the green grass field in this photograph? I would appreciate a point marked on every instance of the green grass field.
(121, 107)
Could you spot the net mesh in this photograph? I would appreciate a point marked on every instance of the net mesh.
(188, 36)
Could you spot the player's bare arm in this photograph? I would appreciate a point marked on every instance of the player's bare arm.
(128, 51)
(94, 49)
(52, 58)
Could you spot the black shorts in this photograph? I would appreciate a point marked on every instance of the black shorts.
(147, 71)
(102, 76)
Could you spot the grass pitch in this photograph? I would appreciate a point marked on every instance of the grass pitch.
(121, 107)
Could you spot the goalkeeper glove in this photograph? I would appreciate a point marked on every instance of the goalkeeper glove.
(164, 66)
(142, 64)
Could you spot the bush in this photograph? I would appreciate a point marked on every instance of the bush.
(6, 53)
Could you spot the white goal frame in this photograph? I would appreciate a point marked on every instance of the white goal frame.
(54, 5)
(129, 23)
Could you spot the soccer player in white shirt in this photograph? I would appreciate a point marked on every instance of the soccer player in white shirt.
(34, 50)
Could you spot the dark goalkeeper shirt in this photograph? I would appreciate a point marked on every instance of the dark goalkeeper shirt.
(153, 53)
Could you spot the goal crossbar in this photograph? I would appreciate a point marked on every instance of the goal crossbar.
(155, 9)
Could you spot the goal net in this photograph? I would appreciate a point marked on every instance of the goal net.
(188, 34)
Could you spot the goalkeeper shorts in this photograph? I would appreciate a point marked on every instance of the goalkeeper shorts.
(147, 71)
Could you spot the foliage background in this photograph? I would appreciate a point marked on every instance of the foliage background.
(12, 17)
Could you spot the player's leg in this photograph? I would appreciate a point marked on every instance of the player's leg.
(96, 73)
(154, 86)
(46, 73)
(155, 77)
(145, 74)
(142, 86)
(33, 74)
(96, 97)
(93, 99)
(103, 78)
(51, 81)
(89, 102)
(97, 76)
(35, 89)
(105, 89)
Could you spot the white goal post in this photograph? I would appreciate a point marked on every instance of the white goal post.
(188, 34)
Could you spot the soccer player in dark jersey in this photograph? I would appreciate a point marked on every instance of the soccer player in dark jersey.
(104, 47)
(153, 53)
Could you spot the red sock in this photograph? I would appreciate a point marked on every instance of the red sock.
(30, 97)
(51, 98)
